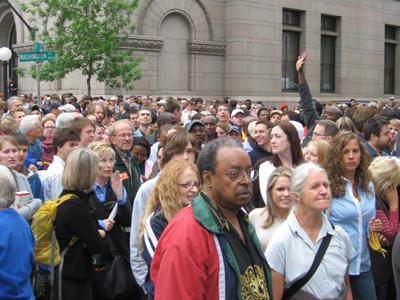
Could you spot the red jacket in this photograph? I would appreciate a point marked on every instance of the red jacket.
(193, 260)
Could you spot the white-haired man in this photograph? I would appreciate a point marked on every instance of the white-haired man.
(30, 126)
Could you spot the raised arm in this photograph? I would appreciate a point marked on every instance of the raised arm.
(310, 114)
(301, 60)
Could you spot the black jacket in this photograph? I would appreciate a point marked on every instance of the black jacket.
(74, 218)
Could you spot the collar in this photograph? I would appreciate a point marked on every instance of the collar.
(326, 227)
(210, 216)
(99, 186)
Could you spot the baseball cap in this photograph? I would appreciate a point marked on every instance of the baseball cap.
(237, 111)
(192, 123)
(234, 128)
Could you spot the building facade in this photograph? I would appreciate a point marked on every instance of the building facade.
(248, 49)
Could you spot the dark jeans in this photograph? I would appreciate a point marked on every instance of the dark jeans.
(362, 286)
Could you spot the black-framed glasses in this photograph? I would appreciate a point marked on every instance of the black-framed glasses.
(316, 134)
(238, 176)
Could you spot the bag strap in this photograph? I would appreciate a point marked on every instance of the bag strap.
(111, 246)
(53, 247)
(317, 260)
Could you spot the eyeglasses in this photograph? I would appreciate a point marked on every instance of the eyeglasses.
(238, 176)
(189, 186)
(124, 135)
(316, 134)
(50, 127)
(105, 161)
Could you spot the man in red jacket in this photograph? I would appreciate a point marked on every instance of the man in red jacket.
(210, 250)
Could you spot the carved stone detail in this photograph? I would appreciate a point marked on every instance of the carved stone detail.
(23, 47)
(210, 48)
(146, 6)
(142, 43)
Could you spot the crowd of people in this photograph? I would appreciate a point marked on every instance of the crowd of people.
(215, 200)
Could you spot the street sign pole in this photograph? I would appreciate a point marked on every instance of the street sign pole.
(39, 100)
(37, 56)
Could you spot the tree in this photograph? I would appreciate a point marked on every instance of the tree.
(87, 35)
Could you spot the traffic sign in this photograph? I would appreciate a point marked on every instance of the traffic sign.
(38, 47)
(37, 56)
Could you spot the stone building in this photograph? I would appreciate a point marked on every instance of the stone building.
(248, 49)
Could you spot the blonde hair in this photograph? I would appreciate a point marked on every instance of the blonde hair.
(322, 149)
(385, 172)
(166, 194)
(270, 208)
(8, 123)
(395, 123)
(8, 139)
(80, 170)
(101, 149)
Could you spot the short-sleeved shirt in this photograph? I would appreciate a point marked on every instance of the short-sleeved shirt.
(291, 253)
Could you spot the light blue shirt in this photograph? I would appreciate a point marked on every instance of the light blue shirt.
(101, 195)
(354, 216)
(291, 253)
(138, 133)
(247, 146)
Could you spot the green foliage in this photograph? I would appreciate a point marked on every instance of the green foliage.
(87, 36)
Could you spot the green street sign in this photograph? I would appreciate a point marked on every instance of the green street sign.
(37, 56)
(38, 47)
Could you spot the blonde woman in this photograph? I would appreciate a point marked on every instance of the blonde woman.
(74, 218)
(267, 219)
(316, 151)
(8, 125)
(177, 185)
(385, 172)
(394, 127)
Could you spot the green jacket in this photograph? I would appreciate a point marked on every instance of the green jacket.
(204, 216)
(130, 180)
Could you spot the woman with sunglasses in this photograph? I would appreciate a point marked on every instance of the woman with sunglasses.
(177, 186)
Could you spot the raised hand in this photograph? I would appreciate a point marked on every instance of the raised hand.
(301, 60)
(392, 198)
(116, 185)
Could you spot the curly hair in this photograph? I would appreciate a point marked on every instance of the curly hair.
(166, 194)
(333, 163)
(270, 208)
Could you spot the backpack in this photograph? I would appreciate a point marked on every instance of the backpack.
(47, 250)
